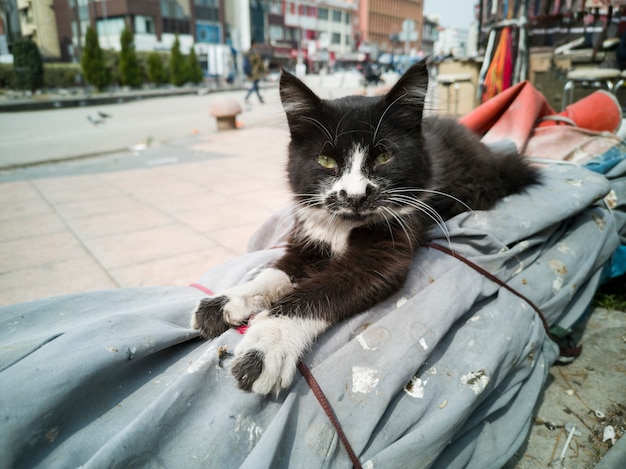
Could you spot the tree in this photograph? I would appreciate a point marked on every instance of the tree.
(194, 70)
(130, 70)
(92, 61)
(27, 64)
(157, 73)
(178, 67)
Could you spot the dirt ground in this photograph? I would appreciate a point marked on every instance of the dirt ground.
(588, 395)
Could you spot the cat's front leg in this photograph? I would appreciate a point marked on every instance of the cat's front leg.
(213, 316)
(266, 359)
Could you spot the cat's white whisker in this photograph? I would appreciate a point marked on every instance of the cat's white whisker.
(380, 143)
(351, 132)
(383, 214)
(337, 134)
(405, 228)
(384, 114)
(427, 210)
(317, 123)
(394, 217)
(298, 207)
(432, 191)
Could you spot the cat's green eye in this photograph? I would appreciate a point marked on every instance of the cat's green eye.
(383, 158)
(327, 162)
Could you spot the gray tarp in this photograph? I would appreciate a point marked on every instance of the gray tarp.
(446, 373)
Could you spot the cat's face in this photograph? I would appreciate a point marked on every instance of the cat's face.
(359, 158)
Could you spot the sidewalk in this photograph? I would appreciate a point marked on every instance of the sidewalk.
(159, 225)
(167, 222)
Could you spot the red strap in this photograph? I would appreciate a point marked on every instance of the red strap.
(319, 394)
(494, 279)
(202, 288)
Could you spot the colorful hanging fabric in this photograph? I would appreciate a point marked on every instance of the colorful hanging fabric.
(500, 71)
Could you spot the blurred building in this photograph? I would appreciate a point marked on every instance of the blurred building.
(9, 27)
(317, 32)
(38, 22)
(430, 35)
(452, 41)
(323, 31)
(390, 26)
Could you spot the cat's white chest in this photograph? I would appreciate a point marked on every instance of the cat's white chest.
(320, 226)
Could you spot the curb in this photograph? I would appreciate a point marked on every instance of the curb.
(114, 97)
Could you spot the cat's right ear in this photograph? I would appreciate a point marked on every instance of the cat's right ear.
(298, 99)
(411, 88)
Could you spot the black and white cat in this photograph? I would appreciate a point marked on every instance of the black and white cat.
(370, 177)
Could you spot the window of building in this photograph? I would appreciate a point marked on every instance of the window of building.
(26, 14)
(337, 16)
(322, 13)
(207, 13)
(276, 7)
(276, 32)
(110, 26)
(176, 26)
(208, 33)
(335, 38)
(144, 24)
(173, 9)
(347, 18)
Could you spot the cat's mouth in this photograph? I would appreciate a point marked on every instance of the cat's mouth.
(360, 216)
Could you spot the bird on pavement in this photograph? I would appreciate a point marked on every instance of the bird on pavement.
(94, 120)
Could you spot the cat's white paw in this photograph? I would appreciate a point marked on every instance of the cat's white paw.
(238, 310)
(266, 359)
(213, 316)
(256, 295)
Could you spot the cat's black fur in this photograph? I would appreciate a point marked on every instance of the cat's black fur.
(356, 226)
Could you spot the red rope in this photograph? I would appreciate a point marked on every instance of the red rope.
(321, 397)
(202, 288)
(494, 279)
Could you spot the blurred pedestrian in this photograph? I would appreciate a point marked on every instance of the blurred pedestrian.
(254, 68)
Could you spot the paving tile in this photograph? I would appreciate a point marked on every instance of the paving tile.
(240, 186)
(75, 189)
(189, 171)
(235, 239)
(28, 226)
(265, 137)
(122, 221)
(207, 173)
(11, 192)
(102, 206)
(135, 178)
(124, 249)
(190, 198)
(232, 215)
(30, 204)
(29, 252)
(269, 201)
(53, 279)
(182, 269)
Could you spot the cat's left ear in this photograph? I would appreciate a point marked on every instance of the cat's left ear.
(298, 100)
(410, 89)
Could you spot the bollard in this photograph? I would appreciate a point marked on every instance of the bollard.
(225, 111)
